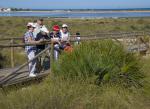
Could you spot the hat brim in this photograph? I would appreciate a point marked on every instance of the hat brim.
(64, 26)
(56, 29)
(31, 26)
(45, 31)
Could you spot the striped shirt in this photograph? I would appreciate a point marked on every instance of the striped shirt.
(28, 35)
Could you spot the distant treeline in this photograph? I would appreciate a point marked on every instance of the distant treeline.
(20, 9)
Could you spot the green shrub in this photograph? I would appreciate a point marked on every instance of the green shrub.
(133, 27)
(105, 60)
(146, 26)
(54, 23)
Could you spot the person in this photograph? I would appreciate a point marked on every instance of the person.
(77, 38)
(39, 24)
(65, 39)
(42, 35)
(31, 50)
(55, 38)
(65, 36)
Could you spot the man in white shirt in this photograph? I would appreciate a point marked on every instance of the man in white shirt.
(39, 25)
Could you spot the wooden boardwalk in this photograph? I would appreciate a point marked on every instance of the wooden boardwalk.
(20, 74)
(19, 77)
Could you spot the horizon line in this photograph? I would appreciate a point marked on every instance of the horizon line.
(79, 8)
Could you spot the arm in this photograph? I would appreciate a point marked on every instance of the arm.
(54, 39)
(30, 40)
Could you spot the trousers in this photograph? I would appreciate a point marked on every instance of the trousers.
(32, 65)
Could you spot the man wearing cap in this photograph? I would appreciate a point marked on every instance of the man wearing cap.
(65, 36)
(39, 24)
(42, 35)
(31, 50)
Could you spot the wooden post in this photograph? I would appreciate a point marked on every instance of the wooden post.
(138, 41)
(12, 54)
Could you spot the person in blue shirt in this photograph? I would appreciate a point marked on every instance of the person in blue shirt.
(55, 38)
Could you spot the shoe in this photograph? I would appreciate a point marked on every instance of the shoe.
(32, 75)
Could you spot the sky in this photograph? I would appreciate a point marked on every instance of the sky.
(75, 4)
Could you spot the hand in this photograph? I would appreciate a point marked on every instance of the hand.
(41, 40)
(54, 40)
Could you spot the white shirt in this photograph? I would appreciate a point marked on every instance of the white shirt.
(64, 36)
(38, 29)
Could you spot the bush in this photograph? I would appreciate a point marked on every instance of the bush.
(133, 27)
(55, 23)
(105, 61)
(147, 26)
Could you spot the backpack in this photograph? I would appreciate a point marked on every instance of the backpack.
(68, 49)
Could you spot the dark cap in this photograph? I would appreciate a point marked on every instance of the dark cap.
(78, 33)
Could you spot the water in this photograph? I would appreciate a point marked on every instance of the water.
(77, 14)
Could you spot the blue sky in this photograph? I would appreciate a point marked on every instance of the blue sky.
(75, 4)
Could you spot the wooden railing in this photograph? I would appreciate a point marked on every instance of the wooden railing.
(118, 35)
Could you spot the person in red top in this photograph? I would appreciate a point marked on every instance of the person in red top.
(55, 38)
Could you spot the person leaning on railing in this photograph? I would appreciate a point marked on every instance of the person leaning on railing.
(55, 39)
(31, 50)
(42, 35)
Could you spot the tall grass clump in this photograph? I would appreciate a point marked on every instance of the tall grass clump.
(105, 61)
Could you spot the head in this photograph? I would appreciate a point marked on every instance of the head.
(56, 29)
(30, 26)
(35, 21)
(77, 34)
(43, 33)
(65, 28)
(40, 21)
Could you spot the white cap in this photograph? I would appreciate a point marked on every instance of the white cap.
(44, 29)
(31, 24)
(65, 25)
